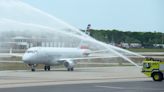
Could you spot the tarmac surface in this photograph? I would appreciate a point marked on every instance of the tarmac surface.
(130, 86)
(26, 78)
(93, 79)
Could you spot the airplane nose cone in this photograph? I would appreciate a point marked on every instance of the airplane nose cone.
(27, 58)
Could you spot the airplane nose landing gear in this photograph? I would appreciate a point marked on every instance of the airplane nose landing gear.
(33, 66)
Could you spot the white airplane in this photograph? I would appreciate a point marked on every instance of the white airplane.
(50, 56)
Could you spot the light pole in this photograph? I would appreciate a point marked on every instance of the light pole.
(162, 40)
(162, 37)
(88, 29)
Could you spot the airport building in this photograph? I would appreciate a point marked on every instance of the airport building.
(23, 43)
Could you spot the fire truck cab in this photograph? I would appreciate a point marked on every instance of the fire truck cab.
(153, 68)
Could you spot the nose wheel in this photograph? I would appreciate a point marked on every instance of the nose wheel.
(47, 68)
(33, 66)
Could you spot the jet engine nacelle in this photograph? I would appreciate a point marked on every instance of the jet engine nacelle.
(69, 64)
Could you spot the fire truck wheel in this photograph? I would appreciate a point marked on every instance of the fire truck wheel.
(157, 76)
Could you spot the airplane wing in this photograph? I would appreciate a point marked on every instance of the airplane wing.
(98, 57)
(85, 58)
(99, 51)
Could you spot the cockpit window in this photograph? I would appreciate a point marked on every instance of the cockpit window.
(30, 51)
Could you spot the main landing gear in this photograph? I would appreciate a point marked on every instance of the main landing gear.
(47, 68)
(33, 67)
(70, 69)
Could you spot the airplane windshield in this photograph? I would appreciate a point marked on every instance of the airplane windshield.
(30, 51)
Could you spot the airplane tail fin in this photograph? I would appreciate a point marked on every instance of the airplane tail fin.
(83, 45)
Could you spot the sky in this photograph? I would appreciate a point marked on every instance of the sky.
(125, 15)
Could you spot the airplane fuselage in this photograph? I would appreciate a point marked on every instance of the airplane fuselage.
(52, 56)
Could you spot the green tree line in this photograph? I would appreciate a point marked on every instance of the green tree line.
(147, 39)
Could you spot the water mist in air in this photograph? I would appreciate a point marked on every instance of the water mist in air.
(19, 20)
